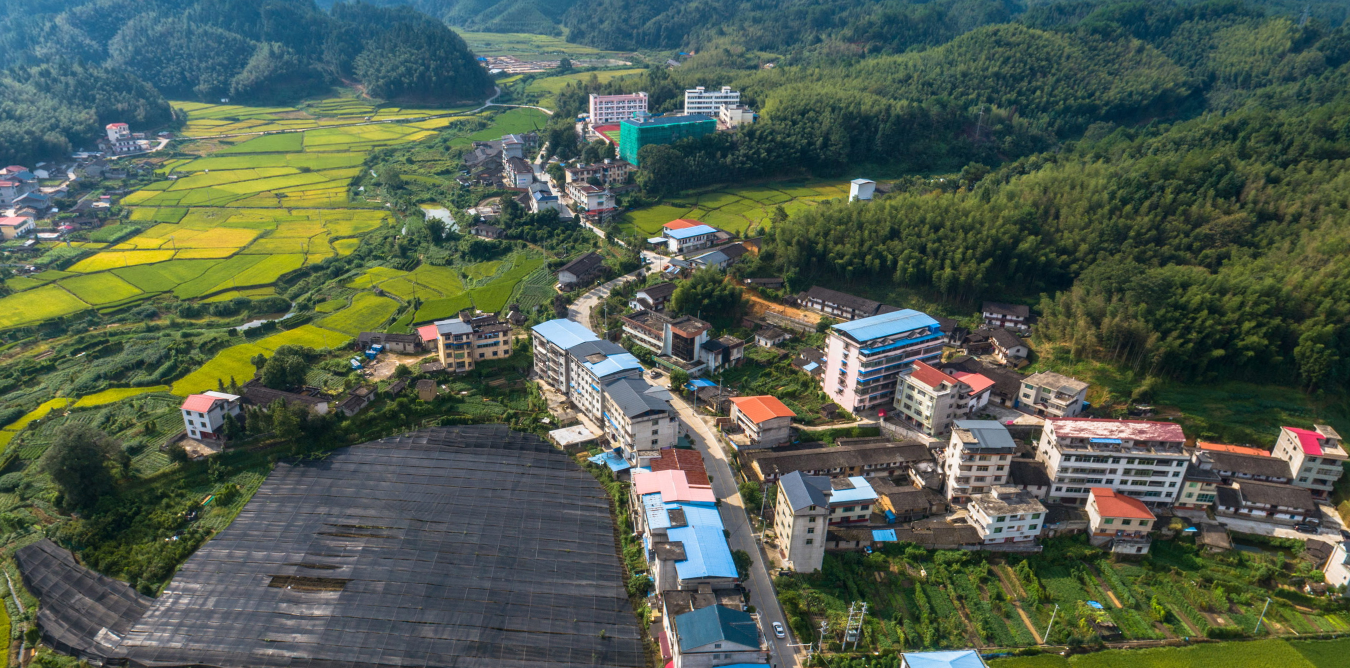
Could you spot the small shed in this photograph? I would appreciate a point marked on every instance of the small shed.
(426, 389)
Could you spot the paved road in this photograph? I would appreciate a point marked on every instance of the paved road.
(742, 537)
(1330, 529)
(580, 310)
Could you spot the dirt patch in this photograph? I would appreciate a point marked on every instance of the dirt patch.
(759, 306)
(385, 365)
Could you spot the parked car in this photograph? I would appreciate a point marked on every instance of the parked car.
(654, 373)
(778, 630)
(1306, 528)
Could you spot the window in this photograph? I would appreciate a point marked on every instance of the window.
(810, 530)
(1191, 484)
(1031, 527)
(863, 507)
(998, 530)
(717, 645)
(1108, 521)
(1035, 516)
(810, 541)
(1125, 523)
(1001, 518)
(811, 520)
(655, 441)
(848, 509)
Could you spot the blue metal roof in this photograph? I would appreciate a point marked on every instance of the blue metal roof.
(614, 364)
(966, 658)
(687, 232)
(564, 333)
(886, 324)
(862, 491)
(613, 461)
(707, 554)
(884, 535)
(713, 624)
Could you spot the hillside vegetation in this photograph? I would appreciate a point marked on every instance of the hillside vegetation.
(133, 53)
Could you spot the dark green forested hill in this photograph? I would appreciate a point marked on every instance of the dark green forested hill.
(252, 51)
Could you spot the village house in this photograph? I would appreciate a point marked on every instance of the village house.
(607, 173)
(1236, 466)
(405, 344)
(517, 173)
(1049, 394)
(682, 236)
(551, 340)
(204, 414)
(464, 341)
(13, 227)
(256, 394)
(869, 457)
(1199, 488)
(768, 337)
(1267, 502)
(929, 400)
(593, 201)
(1316, 457)
(652, 297)
(581, 271)
(977, 459)
(721, 353)
(1337, 568)
(1008, 349)
(764, 421)
(841, 305)
(1006, 515)
(678, 341)
(1121, 522)
(593, 364)
(638, 419)
(716, 636)
(1009, 316)
(1029, 476)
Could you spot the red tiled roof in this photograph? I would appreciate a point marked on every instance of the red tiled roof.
(762, 408)
(1310, 441)
(672, 486)
(199, 403)
(976, 382)
(680, 459)
(1235, 449)
(428, 333)
(10, 221)
(926, 374)
(681, 223)
(1112, 504)
(1134, 430)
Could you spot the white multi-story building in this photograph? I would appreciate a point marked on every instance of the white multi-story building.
(607, 109)
(639, 419)
(801, 520)
(978, 458)
(1053, 395)
(930, 400)
(1006, 515)
(204, 414)
(1337, 569)
(1316, 457)
(551, 341)
(703, 101)
(730, 117)
(865, 358)
(1143, 459)
(593, 365)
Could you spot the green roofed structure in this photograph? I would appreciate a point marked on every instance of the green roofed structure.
(638, 132)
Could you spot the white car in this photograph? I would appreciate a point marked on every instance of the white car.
(778, 630)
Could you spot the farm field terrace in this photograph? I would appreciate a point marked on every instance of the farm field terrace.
(1255, 654)
(932, 600)
(733, 209)
(233, 220)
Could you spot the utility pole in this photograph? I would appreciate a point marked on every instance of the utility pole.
(853, 632)
(1262, 617)
(820, 645)
(1046, 637)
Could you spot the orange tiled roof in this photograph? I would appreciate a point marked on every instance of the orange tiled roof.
(762, 408)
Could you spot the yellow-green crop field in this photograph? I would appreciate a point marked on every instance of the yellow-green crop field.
(733, 209)
(232, 222)
(368, 312)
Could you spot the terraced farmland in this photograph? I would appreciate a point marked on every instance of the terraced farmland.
(733, 209)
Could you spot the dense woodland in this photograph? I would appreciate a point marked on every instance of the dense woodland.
(116, 60)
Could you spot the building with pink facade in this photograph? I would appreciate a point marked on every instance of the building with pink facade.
(614, 108)
(864, 359)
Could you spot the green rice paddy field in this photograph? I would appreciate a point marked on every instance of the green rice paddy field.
(234, 220)
(733, 209)
(1255, 654)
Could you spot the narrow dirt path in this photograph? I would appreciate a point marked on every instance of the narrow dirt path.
(1162, 628)
(1014, 591)
(1101, 581)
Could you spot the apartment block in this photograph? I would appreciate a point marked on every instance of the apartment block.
(551, 341)
(801, 519)
(606, 109)
(1316, 457)
(595, 364)
(700, 100)
(1006, 515)
(929, 400)
(634, 133)
(638, 419)
(1049, 394)
(678, 340)
(1139, 458)
(864, 359)
(978, 458)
